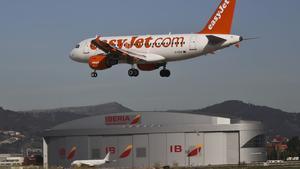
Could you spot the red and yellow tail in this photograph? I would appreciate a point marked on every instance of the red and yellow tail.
(221, 20)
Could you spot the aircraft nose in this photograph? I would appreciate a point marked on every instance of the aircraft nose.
(76, 55)
(71, 55)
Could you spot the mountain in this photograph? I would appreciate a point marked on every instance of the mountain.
(106, 108)
(275, 121)
(30, 125)
(33, 123)
(36, 121)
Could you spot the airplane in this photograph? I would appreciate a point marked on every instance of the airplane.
(150, 52)
(91, 163)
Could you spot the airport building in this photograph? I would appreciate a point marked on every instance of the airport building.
(146, 139)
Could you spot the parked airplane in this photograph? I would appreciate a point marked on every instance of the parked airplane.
(91, 163)
(150, 52)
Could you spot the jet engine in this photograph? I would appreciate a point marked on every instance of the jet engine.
(99, 62)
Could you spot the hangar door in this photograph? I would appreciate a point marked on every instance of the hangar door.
(221, 148)
(57, 151)
(233, 148)
(194, 149)
(157, 149)
(140, 151)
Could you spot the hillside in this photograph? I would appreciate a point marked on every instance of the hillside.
(276, 121)
(32, 123)
(106, 108)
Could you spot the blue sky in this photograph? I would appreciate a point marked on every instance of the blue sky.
(37, 36)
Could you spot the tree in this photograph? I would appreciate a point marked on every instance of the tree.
(294, 147)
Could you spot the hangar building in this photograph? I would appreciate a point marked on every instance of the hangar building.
(145, 139)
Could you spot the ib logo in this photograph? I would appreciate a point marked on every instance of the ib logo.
(194, 151)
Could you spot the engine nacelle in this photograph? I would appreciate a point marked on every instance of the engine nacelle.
(99, 62)
(148, 67)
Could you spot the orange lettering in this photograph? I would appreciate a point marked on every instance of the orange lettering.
(156, 43)
(139, 43)
(112, 42)
(177, 40)
(129, 45)
(166, 42)
(121, 42)
(147, 42)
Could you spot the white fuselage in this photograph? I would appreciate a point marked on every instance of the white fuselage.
(172, 47)
(90, 163)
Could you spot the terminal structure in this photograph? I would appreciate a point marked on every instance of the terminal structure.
(146, 139)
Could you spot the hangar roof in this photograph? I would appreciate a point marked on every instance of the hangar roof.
(147, 122)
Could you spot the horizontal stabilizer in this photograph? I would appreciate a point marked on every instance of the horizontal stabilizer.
(214, 40)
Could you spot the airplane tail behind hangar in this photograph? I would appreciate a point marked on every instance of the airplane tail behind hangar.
(221, 21)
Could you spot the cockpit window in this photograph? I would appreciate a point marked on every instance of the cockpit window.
(77, 46)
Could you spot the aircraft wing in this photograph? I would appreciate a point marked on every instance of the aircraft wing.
(118, 53)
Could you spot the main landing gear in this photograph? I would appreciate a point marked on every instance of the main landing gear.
(94, 74)
(133, 72)
(165, 72)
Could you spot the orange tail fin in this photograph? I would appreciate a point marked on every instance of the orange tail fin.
(221, 20)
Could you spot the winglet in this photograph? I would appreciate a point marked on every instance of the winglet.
(221, 21)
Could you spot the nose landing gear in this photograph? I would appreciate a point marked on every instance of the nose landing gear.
(94, 74)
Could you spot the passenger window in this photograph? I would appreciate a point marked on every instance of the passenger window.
(77, 46)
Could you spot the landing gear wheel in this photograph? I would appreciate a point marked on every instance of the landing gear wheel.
(94, 74)
(130, 72)
(136, 72)
(133, 72)
(165, 73)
